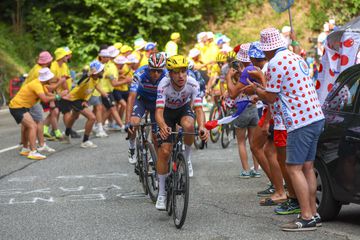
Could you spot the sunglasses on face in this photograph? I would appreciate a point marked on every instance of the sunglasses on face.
(156, 70)
(178, 70)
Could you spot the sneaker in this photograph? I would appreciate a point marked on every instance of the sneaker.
(74, 134)
(317, 219)
(115, 127)
(66, 139)
(191, 171)
(58, 134)
(45, 148)
(47, 135)
(244, 174)
(161, 203)
(132, 159)
(101, 134)
(267, 192)
(254, 174)
(290, 206)
(24, 151)
(88, 144)
(35, 155)
(300, 224)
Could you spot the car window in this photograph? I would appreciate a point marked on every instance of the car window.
(343, 99)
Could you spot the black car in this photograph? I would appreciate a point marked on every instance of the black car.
(337, 164)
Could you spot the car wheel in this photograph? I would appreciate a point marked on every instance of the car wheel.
(327, 206)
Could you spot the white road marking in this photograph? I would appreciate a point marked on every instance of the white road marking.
(17, 146)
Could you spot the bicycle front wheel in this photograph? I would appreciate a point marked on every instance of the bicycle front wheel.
(150, 174)
(180, 197)
(139, 166)
(215, 113)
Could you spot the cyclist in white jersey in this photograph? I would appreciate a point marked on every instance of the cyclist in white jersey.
(177, 93)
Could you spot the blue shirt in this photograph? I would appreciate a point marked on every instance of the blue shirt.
(245, 75)
(144, 86)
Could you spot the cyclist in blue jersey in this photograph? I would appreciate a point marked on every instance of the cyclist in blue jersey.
(142, 97)
(197, 76)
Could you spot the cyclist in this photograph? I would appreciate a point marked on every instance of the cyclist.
(213, 85)
(142, 97)
(176, 93)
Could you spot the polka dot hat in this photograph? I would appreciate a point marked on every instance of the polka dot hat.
(243, 55)
(270, 39)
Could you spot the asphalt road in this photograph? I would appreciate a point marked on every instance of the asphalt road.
(94, 194)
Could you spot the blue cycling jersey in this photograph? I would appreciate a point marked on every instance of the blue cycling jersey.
(197, 76)
(144, 86)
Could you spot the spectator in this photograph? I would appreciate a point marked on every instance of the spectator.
(321, 39)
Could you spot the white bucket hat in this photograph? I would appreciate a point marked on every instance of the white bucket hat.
(270, 39)
(120, 60)
(45, 74)
(132, 59)
(243, 55)
(113, 51)
(194, 52)
(104, 53)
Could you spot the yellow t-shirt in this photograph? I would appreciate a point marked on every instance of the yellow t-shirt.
(210, 52)
(33, 74)
(127, 72)
(61, 71)
(144, 60)
(110, 73)
(215, 72)
(171, 48)
(84, 90)
(28, 95)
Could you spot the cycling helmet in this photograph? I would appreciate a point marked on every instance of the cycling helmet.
(231, 56)
(176, 61)
(191, 65)
(221, 57)
(157, 60)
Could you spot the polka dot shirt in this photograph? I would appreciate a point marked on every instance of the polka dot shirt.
(297, 103)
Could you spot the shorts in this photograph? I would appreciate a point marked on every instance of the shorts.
(174, 116)
(119, 95)
(36, 112)
(260, 111)
(248, 118)
(139, 109)
(66, 106)
(18, 113)
(280, 137)
(302, 143)
(94, 100)
(108, 101)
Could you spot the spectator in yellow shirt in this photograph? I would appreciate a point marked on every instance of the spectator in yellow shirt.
(171, 47)
(20, 106)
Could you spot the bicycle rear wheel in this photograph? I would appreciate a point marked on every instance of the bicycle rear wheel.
(180, 196)
(150, 174)
(225, 135)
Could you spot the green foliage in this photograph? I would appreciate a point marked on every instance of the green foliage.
(342, 10)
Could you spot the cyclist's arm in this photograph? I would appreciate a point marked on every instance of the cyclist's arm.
(130, 105)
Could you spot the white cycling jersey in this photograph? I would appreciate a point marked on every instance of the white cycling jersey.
(168, 97)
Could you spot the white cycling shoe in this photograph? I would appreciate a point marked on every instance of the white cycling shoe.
(161, 203)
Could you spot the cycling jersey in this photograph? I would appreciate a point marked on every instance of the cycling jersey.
(144, 86)
(197, 76)
(168, 97)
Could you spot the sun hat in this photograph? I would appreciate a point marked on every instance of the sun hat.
(194, 52)
(118, 45)
(270, 39)
(96, 67)
(150, 46)
(139, 44)
(286, 29)
(60, 53)
(120, 60)
(210, 35)
(44, 58)
(175, 35)
(67, 49)
(243, 55)
(104, 53)
(45, 74)
(255, 51)
(132, 59)
(200, 36)
(113, 51)
(126, 48)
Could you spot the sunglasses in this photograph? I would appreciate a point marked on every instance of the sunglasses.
(178, 70)
(156, 70)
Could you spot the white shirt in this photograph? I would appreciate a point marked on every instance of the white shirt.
(168, 97)
(298, 103)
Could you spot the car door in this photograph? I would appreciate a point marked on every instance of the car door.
(339, 145)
